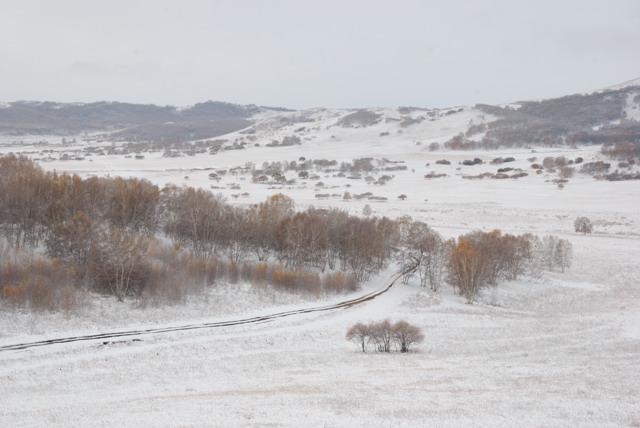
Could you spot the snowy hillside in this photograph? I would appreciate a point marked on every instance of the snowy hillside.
(558, 349)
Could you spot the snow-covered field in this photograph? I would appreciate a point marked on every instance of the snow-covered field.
(560, 350)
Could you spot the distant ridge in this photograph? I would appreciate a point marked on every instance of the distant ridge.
(628, 83)
(608, 115)
(134, 121)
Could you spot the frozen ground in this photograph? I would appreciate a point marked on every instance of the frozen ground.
(561, 350)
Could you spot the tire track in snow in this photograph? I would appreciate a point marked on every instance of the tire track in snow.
(200, 326)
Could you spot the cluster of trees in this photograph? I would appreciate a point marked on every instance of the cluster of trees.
(383, 335)
(626, 131)
(481, 259)
(478, 259)
(108, 231)
(626, 150)
(163, 274)
(140, 121)
(312, 239)
(359, 118)
(125, 237)
(566, 120)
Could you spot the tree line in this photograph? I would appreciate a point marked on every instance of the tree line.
(119, 236)
(477, 259)
(128, 237)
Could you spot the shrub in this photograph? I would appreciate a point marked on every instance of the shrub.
(339, 282)
(595, 167)
(475, 161)
(583, 225)
(566, 172)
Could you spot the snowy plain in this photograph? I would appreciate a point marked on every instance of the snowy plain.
(559, 350)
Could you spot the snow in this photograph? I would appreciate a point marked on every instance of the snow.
(560, 350)
(628, 83)
(632, 110)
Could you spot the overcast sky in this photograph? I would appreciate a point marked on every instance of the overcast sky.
(316, 53)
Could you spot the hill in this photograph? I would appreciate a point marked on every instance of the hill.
(123, 120)
(609, 115)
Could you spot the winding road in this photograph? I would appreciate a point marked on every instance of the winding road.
(257, 319)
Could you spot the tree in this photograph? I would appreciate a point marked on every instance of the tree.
(546, 251)
(133, 204)
(234, 235)
(25, 194)
(73, 239)
(583, 225)
(264, 222)
(306, 240)
(519, 255)
(362, 245)
(423, 250)
(466, 269)
(495, 249)
(381, 335)
(406, 335)
(563, 254)
(553, 252)
(122, 262)
(359, 334)
(194, 217)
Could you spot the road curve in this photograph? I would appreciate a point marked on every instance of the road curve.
(102, 336)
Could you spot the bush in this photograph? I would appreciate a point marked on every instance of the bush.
(583, 225)
(595, 167)
(475, 161)
(339, 282)
(566, 172)
(38, 283)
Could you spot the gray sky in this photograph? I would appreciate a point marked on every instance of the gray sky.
(316, 53)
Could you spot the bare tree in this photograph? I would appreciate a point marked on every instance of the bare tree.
(234, 234)
(583, 225)
(122, 261)
(194, 217)
(423, 248)
(133, 204)
(406, 335)
(360, 334)
(563, 254)
(495, 250)
(553, 252)
(466, 269)
(546, 251)
(381, 335)
(73, 239)
(519, 255)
